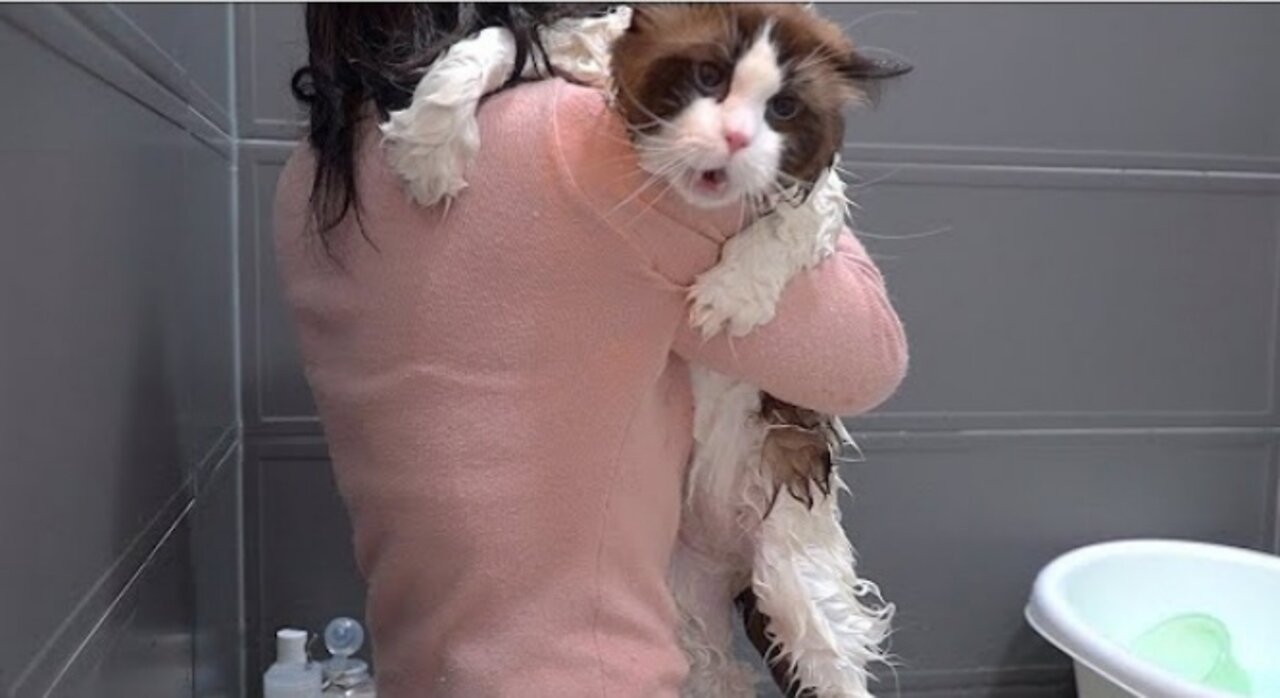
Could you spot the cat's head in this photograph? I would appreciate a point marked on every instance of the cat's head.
(732, 101)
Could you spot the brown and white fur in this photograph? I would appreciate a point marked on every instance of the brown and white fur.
(727, 103)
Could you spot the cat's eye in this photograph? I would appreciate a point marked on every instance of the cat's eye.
(708, 76)
(783, 107)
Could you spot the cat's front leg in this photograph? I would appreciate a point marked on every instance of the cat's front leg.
(741, 291)
(430, 143)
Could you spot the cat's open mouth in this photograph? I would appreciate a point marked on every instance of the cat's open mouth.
(712, 181)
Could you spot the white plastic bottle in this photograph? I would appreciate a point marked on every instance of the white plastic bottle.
(292, 676)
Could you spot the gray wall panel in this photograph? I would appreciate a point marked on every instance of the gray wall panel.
(203, 314)
(195, 36)
(120, 395)
(217, 578)
(292, 499)
(985, 514)
(1104, 306)
(91, 382)
(1159, 80)
(271, 44)
(144, 646)
(276, 391)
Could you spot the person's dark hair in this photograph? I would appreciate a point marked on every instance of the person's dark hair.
(362, 54)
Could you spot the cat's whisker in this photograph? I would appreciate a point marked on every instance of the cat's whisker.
(657, 147)
(662, 154)
(760, 203)
(649, 207)
(780, 192)
(805, 63)
(792, 179)
(636, 140)
(793, 191)
(628, 140)
(633, 153)
(845, 171)
(849, 174)
(637, 129)
(656, 177)
(798, 186)
(875, 180)
(907, 236)
(763, 206)
(627, 173)
(742, 215)
(848, 26)
(660, 173)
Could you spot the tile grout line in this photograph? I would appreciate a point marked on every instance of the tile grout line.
(142, 568)
(216, 456)
(237, 313)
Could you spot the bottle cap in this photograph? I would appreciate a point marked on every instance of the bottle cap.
(291, 646)
(344, 637)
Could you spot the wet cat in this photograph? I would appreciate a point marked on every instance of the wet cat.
(727, 103)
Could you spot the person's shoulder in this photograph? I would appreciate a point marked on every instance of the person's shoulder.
(555, 91)
(575, 101)
(588, 133)
(570, 127)
(566, 107)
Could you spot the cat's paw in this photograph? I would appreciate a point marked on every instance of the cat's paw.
(742, 290)
(430, 143)
(723, 299)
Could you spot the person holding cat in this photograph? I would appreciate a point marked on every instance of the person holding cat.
(503, 381)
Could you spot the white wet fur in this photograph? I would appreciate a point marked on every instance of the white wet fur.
(431, 142)
(797, 560)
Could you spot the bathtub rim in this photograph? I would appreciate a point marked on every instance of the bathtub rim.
(1049, 613)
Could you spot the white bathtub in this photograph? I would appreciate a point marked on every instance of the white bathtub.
(1093, 602)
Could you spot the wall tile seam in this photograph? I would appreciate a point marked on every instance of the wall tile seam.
(71, 40)
(119, 32)
(251, 123)
(1271, 515)
(69, 666)
(107, 590)
(876, 152)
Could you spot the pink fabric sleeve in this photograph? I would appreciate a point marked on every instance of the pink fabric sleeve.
(835, 345)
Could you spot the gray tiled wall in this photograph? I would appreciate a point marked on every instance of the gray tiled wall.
(118, 410)
(270, 45)
(1077, 209)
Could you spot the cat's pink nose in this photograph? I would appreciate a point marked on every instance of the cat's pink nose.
(736, 140)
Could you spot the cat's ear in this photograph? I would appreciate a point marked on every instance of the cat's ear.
(863, 68)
